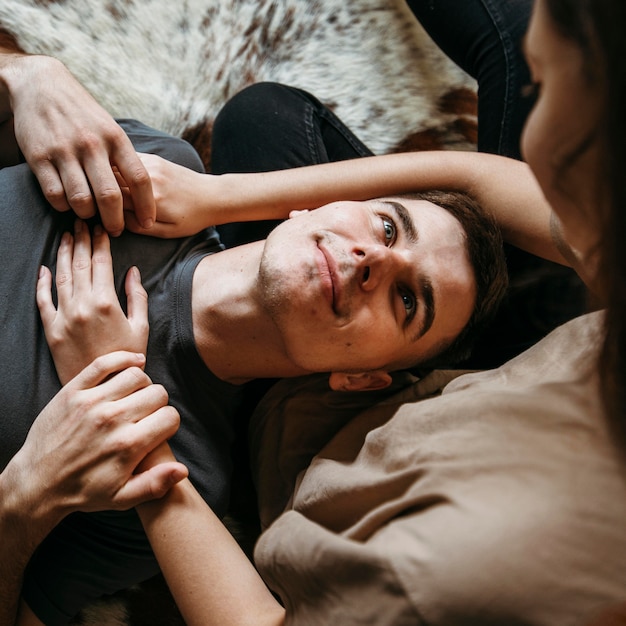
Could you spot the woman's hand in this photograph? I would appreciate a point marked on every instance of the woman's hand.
(89, 320)
(186, 200)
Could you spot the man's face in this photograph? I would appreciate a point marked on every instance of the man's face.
(358, 286)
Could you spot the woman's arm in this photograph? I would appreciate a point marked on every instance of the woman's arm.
(188, 201)
(210, 577)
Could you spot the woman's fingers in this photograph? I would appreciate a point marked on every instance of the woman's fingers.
(47, 310)
(81, 266)
(102, 264)
(63, 277)
(82, 271)
(136, 302)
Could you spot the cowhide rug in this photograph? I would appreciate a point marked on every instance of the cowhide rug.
(173, 63)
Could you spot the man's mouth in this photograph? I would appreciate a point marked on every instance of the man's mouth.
(328, 276)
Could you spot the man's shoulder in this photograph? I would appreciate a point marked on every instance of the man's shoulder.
(154, 141)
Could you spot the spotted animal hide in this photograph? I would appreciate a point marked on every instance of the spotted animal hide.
(172, 64)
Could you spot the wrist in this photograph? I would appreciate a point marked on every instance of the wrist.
(20, 71)
(28, 505)
(245, 197)
(7, 80)
(13, 71)
(179, 497)
(222, 191)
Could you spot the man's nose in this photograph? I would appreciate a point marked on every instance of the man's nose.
(375, 264)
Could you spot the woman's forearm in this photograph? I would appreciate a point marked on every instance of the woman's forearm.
(503, 186)
(211, 579)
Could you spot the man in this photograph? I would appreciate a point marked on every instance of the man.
(71, 149)
(372, 287)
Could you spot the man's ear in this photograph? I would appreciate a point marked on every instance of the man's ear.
(363, 381)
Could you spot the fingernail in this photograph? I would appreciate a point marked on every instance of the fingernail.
(148, 223)
(42, 271)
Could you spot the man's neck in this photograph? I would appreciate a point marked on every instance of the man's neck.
(234, 335)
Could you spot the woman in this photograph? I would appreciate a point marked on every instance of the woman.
(572, 142)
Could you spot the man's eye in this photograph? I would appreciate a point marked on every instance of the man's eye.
(408, 300)
(390, 230)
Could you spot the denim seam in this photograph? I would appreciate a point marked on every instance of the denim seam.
(336, 123)
(309, 127)
(510, 67)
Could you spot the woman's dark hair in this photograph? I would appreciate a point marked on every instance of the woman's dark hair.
(598, 27)
(483, 241)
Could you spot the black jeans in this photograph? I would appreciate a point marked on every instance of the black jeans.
(268, 126)
(484, 38)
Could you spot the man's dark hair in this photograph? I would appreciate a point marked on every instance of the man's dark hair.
(485, 251)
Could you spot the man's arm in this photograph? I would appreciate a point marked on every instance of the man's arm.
(70, 142)
(81, 454)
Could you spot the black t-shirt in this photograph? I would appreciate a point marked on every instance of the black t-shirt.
(92, 554)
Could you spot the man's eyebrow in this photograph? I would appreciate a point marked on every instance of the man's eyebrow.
(428, 298)
(406, 221)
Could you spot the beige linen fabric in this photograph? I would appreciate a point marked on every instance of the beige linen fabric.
(500, 501)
